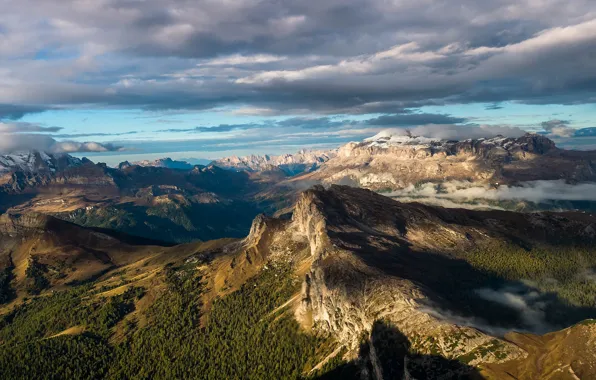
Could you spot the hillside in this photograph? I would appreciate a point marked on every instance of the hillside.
(350, 284)
(39, 252)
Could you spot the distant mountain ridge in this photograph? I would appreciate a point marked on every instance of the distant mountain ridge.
(159, 163)
(36, 161)
(392, 162)
(291, 164)
(200, 203)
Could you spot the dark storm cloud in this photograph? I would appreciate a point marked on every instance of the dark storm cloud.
(289, 58)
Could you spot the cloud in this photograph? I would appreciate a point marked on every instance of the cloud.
(25, 142)
(457, 132)
(408, 119)
(214, 129)
(92, 134)
(325, 123)
(314, 122)
(529, 303)
(558, 128)
(327, 57)
(75, 147)
(21, 127)
(237, 59)
(526, 301)
(16, 111)
(532, 191)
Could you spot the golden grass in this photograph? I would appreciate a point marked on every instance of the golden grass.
(75, 330)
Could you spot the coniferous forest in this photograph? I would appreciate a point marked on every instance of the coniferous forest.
(242, 338)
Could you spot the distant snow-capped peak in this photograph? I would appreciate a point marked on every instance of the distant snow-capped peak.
(35, 161)
(386, 138)
(304, 160)
(160, 163)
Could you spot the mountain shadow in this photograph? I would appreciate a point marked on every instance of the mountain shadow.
(8, 200)
(387, 354)
(452, 284)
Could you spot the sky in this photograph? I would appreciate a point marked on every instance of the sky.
(119, 80)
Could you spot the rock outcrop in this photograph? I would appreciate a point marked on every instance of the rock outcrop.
(372, 259)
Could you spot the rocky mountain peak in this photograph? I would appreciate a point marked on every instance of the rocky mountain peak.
(36, 162)
(291, 164)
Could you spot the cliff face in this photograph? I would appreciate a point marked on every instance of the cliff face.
(344, 293)
(22, 224)
(372, 258)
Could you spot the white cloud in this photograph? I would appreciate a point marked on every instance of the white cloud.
(25, 142)
(524, 300)
(533, 191)
(364, 64)
(549, 38)
(22, 127)
(558, 128)
(457, 132)
(237, 59)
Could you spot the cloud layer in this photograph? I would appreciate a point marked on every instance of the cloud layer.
(533, 191)
(272, 57)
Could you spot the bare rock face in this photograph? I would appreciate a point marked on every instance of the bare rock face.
(387, 162)
(13, 225)
(344, 295)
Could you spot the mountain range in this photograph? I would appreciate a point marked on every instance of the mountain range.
(303, 266)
